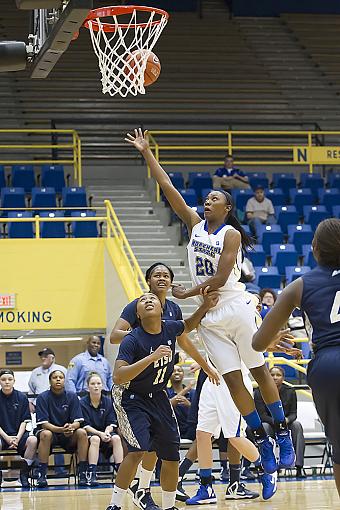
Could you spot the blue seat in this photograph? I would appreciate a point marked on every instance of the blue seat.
(283, 255)
(256, 255)
(270, 234)
(334, 180)
(205, 193)
(44, 197)
(294, 272)
(300, 197)
(286, 215)
(336, 211)
(2, 177)
(20, 230)
(22, 176)
(74, 197)
(300, 235)
(51, 228)
(308, 259)
(276, 196)
(52, 176)
(200, 210)
(258, 179)
(199, 181)
(312, 181)
(241, 197)
(329, 198)
(177, 179)
(12, 197)
(247, 230)
(84, 228)
(286, 184)
(281, 175)
(314, 214)
(267, 277)
(189, 196)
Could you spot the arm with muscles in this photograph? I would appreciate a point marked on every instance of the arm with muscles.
(176, 201)
(232, 241)
(120, 330)
(269, 337)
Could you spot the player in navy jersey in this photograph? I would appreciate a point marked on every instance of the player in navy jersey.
(142, 370)
(317, 294)
(215, 257)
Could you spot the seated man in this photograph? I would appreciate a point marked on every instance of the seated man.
(180, 397)
(14, 417)
(289, 402)
(228, 177)
(59, 421)
(259, 211)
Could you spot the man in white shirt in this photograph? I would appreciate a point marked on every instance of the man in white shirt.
(259, 211)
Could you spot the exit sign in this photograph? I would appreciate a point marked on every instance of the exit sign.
(7, 301)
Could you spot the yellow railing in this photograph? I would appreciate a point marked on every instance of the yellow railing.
(291, 147)
(73, 147)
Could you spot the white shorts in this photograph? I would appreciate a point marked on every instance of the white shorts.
(217, 410)
(227, 332)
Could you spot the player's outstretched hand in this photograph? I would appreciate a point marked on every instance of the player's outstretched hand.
(161, 352)
(210, 298)
(178, 290)
(284, 342)
(140, 140)
(213, 375)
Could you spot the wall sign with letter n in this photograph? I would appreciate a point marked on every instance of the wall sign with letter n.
(316, 155)
(14, 358)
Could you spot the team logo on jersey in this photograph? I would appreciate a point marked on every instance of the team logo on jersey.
(169, 342)
(206, 249)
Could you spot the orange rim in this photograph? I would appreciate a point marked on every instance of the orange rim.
(118, 10)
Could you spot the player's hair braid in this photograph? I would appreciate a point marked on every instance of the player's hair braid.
(231, 219)
(327, 239)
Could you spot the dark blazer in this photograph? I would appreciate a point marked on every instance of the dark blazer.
(289, 403)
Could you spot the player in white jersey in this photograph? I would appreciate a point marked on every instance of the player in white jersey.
(215, 260)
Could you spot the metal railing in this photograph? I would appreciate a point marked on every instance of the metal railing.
(72, 149)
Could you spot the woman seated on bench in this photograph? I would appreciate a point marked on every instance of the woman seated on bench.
(101, 426)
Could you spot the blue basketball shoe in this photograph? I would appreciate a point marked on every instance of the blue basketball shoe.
(269, 485)
(204, 496)
(267, 451)
(287, 453)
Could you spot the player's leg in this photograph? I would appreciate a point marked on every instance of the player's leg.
(143, 477)
(223, 448)
(79, 442)
(117, 450)
(236, 489)
(93, 456)
(45, 439)
(299, 447)
(184, 467)
(27, 448)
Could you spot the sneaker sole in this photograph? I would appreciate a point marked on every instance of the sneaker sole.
(229, 496)
(203, 502)
(180, 497)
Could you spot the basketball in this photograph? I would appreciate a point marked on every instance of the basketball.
(153, 66)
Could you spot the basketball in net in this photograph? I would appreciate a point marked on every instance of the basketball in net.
(152, 66)
(123, 38)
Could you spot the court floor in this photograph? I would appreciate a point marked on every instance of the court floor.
(306, 495)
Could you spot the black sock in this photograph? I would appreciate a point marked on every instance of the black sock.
(224, 464)
(82, 465)
(206, 480)
(184, 467)
(259, 433)
(235, 472)
(280, 426)
(92, 467)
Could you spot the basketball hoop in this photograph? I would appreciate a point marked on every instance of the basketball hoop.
(124, 43)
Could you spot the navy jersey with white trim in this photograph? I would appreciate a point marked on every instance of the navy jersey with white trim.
(320, 304)
(138, 344)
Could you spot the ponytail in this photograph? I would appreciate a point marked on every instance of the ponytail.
(246, 241)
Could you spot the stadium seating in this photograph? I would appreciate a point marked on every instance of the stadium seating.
(199, 181)
(241, 197)
(336, 211)
(51, 228)
(313, 214)
(177, 179)
(300, 197)
(312, 181)
(270, 234)
(294, 272)
(329, 198)
(189, 196)
(281, 175)
(258, 179)
(205, 193)
(308, 259)
(283, 255)
(2, 177)
(267, 277)
(286, 183)
(52, 176)
(23, 177)
(74, 197)
(84, 228)
(256, 255)
(43, 197)
(276, 196)
(334, 180)
(300, 235)
(20, 229)
(12, 198)
(286, 215)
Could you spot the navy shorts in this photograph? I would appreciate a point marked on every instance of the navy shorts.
(148, 423)
(323, 378)
(62, 441)
(21, 445)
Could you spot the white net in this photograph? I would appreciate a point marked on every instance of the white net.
(124, 50)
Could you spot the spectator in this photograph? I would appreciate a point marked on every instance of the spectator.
(228, 177)
(101, 427)
(289, 402)
(82, 365)
(180, 397)
(38, 381)
(268, 298)
(248, 275)
(259, 211)
(59, 422)
(14, 416)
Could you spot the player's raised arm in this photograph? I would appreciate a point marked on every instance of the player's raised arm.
(178, 205)
(123, 372)
(210, 299)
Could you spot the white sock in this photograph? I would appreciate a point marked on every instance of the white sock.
(117, 496)
(137, 475)
(168, 499)
(144, 478)
(29, 461)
